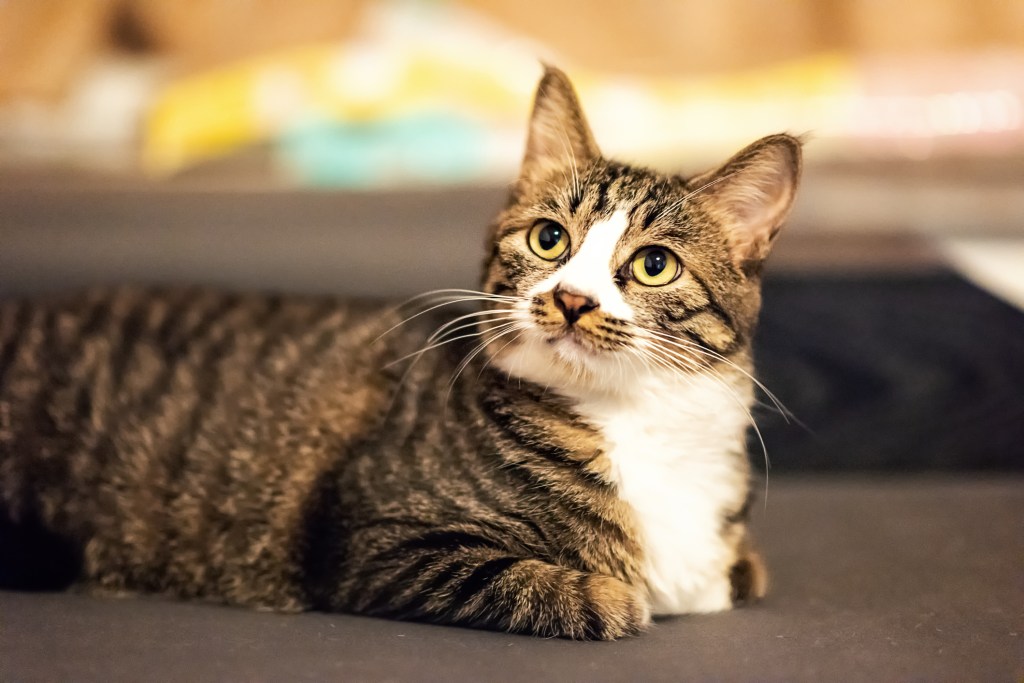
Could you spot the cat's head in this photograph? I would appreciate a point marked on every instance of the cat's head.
(611, 269)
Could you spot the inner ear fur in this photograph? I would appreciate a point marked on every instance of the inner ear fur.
(752, 194)
(559, 137)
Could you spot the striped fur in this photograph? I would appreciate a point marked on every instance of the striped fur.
(294, 453)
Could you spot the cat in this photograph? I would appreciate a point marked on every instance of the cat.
(567, 459)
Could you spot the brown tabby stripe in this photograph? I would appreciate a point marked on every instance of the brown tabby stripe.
(714, 305)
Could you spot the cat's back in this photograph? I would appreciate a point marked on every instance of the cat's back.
(99, 356)
(170, 419)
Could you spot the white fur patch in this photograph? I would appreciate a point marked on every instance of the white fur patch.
(589, 271)
(670, 442)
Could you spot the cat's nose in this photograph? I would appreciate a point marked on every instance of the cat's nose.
(573, 305)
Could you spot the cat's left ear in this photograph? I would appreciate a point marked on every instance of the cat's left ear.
(752, 195)
(559, 138)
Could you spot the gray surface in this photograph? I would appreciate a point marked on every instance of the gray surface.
(380, 244)
(874, 580)
(359, 244)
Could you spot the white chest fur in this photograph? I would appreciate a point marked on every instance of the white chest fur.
(672, 445)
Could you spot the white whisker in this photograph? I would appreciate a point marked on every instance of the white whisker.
(710, 371)
(451, 299)
(501, 331)
(455, 292)
(693, 193)
(691, 346)
(439, 344)
(484, 317)
(567, 146)
(499, 352)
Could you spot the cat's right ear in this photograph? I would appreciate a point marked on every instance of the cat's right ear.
(559, 137)
(752, 195)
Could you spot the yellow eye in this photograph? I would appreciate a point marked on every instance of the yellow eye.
(549, 240)
(655, 267)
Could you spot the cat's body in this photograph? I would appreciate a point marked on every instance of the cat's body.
(580, 468)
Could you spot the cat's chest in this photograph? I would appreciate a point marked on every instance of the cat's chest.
(673, 456)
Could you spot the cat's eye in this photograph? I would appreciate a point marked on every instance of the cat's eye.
(548, 239)
(655, 266)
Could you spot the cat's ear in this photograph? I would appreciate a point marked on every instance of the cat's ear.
(752, 195)
(559, 137)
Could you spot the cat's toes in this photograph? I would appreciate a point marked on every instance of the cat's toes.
(614, 609)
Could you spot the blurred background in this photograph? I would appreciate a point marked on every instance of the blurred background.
(361, 146)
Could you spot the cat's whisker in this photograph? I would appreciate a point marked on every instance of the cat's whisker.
(471, 325)
(648, 356)
(437, 336)
(716, 376)
(674, 360)
(418, 355)
(708, 185)
(693, 193)
(776, 403)
(689, 345)
(713, 374)
(521, 349)
(695, 362)
(567, 148)
(454, 292)
(439, 344)
(464, 299)
(502, 349)
(442, 295)
(619, 364)
(440, 331)
(440, 341)
(500, 331)
(682, 361)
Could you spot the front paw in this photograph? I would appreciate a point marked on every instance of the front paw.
(547, 600)
(612, 609)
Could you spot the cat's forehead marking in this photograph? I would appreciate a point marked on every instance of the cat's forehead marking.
(590, 270)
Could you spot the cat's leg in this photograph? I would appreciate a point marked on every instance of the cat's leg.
(748, 577)
(502, 592)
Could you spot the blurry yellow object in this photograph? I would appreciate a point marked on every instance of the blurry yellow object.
(215, 113)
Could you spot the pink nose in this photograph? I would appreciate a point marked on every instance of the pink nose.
(573, 305)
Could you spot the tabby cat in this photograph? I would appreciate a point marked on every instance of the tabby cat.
(568, 459)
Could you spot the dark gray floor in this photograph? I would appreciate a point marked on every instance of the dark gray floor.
(874, 579)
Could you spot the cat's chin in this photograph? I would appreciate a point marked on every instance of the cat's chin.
(573, 350)
(565, 362)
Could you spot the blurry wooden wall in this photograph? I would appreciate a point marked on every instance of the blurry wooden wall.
(45, 43)
(700, 36)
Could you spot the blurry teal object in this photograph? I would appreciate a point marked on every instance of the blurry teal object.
(428, 149)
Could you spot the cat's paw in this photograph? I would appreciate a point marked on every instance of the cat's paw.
(552, 601)
(613, 609)
(749, 579)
